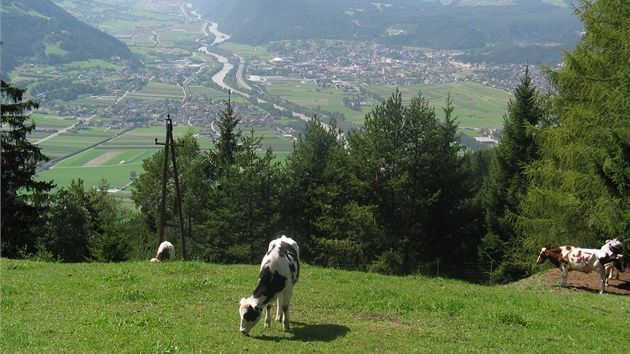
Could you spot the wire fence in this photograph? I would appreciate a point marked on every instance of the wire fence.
(474, 272)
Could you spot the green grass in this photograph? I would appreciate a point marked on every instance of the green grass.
(192, 307)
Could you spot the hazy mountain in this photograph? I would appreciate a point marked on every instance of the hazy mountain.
(496, 33)
(41, 30)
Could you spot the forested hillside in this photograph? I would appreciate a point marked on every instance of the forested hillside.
(494, 33)
(41, 31)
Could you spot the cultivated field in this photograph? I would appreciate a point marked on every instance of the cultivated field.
(192, 307)
(117, 159)
(476, 106)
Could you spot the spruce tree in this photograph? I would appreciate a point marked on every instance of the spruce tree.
(24, 200)
(506, 183)
(580, 189)
(410, 175)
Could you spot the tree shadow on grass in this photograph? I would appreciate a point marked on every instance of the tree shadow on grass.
(311, 333)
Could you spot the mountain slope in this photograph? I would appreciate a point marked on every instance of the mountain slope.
(42, 30)
(494, 31)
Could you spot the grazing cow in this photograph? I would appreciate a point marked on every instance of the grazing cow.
(279, 271)
(581, 259)
(166, 252)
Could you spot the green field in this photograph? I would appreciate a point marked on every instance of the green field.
(158, 91)
(192, 307)
(475, 105)
(115, 160)
(312, 96)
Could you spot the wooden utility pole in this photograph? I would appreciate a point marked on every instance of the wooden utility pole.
(170, 145)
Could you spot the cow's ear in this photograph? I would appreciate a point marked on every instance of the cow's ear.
(256, 308)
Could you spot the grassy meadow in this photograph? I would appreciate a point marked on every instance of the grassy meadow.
(192, 307)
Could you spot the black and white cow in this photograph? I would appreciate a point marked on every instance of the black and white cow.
(616, 248)
(279, 271)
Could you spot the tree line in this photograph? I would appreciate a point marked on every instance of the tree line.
(388, 197)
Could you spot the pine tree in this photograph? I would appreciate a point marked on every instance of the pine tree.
(24, 200)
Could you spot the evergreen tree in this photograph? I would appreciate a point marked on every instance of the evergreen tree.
(86, 225)
(507, 183)
(407, 164)
(580, 190)
(319, 210)
(24, 200)
(229, 134)
(243, 213)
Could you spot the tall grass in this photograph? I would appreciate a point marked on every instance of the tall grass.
(191, 307)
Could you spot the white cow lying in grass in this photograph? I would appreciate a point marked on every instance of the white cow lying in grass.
(581, 259)
(166, 252)
(279, 271)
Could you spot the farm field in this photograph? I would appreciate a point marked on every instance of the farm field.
(117, 159)
(192, 307)
(312, 96)
(476, 106)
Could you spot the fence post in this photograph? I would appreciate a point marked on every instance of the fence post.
(438, 268)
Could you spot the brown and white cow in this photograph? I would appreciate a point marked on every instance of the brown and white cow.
(166, 252)
(581, 259)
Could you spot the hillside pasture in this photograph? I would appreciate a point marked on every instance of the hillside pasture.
(192, 307)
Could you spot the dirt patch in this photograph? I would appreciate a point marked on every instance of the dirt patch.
(101, 159)
(588, 282)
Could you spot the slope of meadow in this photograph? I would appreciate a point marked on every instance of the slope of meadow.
(185, 307)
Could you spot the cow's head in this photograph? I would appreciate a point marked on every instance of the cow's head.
(619, 264)
(615, 246)
(250, 315)
(542, 256)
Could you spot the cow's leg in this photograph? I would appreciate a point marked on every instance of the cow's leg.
(564, 276)
(602, 279)
(285, 307)
(267, 315)
(279, 312)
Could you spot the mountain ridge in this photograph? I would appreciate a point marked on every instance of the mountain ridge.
(489, 32)
(41, 30)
